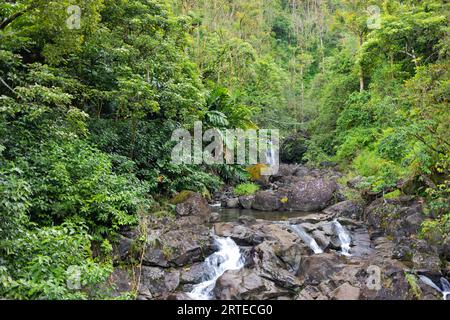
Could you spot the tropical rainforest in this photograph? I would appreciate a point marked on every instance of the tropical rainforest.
(91, 91)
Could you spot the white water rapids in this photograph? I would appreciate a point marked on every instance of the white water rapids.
(444, 282)
(344, 238)
(307, 238)
(227, 258)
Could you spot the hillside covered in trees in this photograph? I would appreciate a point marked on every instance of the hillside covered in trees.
(91, 91)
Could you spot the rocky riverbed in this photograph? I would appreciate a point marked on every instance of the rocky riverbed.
(297, 239)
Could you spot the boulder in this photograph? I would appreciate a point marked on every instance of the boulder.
(153, 282)
(319, 267)
(193, 274)
(181, 247)
(428, 263)
(246, 202)
(215, 217)
(246, 284)
(322, 240)
(194, 205)
(232, 203)
(266, 201)
(310, 195)
(271, 267)
(241, 234)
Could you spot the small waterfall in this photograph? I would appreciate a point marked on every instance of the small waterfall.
(307, 238)
(270, 157)
(444, 282)
(344, 237)
(227, 258)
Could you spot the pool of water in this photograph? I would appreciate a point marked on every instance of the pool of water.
(230, 215)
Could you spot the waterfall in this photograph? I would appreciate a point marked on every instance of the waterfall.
(444, 282)
(270, 157)
(307, 238)
(344, 237)
(227, 258)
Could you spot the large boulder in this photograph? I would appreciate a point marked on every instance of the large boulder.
(180, 247)
(246, 284)
(193, 204)
(232, 203)
(310, 195)
(156, 282)
(267, 201)
(271, 267)
(246, 202)
(317, 268)
(241, 234)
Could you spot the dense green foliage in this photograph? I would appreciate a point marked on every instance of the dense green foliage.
(86, 114)
(246, 189)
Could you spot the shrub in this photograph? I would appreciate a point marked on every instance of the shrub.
(52, 263)
(246, 189)
(72, 180)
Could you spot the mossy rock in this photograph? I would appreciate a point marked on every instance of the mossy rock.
(181, 197)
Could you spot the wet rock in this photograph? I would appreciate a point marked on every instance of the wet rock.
(309, 227)
(232, 203)
(246, 202)
(322, 240)
(346, 292)
(246, 284)
(246, 220)
(266, 201)
(215, 217)
(271, 267)
(312, 218)
(241, 234)
(193, 274)
(348, 209)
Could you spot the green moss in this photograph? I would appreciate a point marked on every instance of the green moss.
(167, 251)
(414, 287)
(181, 197)
(246, 189)
(393, 195)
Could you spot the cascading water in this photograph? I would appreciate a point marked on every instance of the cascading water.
(344, 237)
(228, 258)
(307, 238)
(270, 157)
(444, 282)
